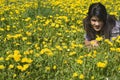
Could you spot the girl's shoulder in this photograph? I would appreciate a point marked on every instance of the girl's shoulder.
(117, 24)
(114, 24)
(116, 29)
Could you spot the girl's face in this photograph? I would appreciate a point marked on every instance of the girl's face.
(96, 23)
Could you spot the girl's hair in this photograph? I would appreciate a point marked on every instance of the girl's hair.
(98, 10)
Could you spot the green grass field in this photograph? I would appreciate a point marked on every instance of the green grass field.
(44, 40)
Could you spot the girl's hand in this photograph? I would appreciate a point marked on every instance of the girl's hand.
(94, 43)
(91, 44)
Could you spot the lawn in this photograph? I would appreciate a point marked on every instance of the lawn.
(44, 40)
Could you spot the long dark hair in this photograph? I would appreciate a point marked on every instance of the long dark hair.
(99, 10)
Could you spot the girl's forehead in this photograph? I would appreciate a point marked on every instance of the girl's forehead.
(95, 17)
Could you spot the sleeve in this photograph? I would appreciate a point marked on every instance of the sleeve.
(116, 30)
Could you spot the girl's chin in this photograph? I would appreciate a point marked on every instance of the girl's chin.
(97, 29)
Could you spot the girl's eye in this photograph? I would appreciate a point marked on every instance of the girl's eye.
(93, 20)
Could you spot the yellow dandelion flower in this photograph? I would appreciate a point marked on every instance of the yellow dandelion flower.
(40, 29)
(12, 0)
(81, 76)
(117, 40)
(46, 51)
(92, 77)
(17, 55)
(57, 26)
(28, 33)
(9, 36)
(117, 50)
(79, 61)
(28, 43)
(16, 51)
(64, 46)
(75, 74)
(29, 26)
(27, 60)
(17, 12)
(80, 46)
(1, 29)
(8, 57)
(47, 68)
(24, 38)
(101, 64)
(59, 47)
(2, 66)
(73, 45)
(53, 24)
(14, 26)
(99, 38)
(47, 22)
(2, 19)
(31, 51)
(65, 62)
(89, 55)
(17, 36)
(113, 38)
(14, 75)
(72, 53)
(119, 69)
(26, 52)
(8, 27)
(54, 67)
(11, 66)
(27, 19)
(37, 55)
(37, 46)
(80, 57)
(19, 67)
(11, 13)
(112, 49)
(25, 66)
(1, 58)
(108, 42)
(59, 34)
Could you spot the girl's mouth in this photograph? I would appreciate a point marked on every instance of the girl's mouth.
(97, 27)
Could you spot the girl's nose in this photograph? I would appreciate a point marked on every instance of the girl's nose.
(96, 23)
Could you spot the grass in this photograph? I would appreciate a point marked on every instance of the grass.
(44, 40)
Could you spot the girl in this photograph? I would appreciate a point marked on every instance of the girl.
(99, 22)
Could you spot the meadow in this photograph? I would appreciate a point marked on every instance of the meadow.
(44, 40)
